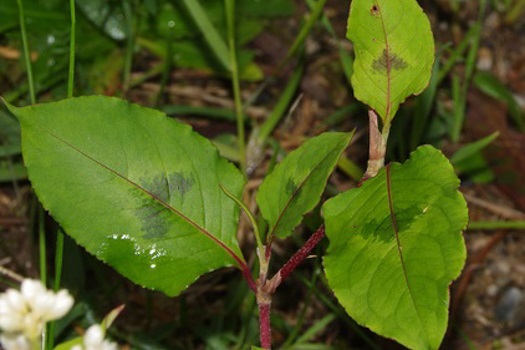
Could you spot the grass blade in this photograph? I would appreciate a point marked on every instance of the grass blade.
(211, 35)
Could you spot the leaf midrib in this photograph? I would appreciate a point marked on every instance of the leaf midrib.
(388, 64)
(294, 194)
(199, 228)
(399, 246)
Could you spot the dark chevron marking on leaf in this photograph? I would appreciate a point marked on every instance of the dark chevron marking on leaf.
(151, 215)
(108, 176)
(136, 186)
(164, 188)
(153, 221)
(158, 186)
(180, 183)
(389, 61)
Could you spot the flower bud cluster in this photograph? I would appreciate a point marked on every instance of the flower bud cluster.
(94, 340)
(24, 313)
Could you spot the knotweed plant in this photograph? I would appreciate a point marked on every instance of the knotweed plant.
(162, 206)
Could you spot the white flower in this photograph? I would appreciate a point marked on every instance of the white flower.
(12, 341)
(12, 311)
(94, 340)
(25, 312)
(45, 303)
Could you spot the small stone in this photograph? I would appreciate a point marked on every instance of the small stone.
(485, 59)
(510, 305)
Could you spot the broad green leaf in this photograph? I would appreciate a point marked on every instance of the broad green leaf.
(394, 52)
(295, 185)
(395, 247)
(138, 190)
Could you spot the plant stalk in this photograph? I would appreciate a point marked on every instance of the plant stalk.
(130, 43)
(43, 265)
(249, 214)
(264, 298)
(264, 325)
(27, 54)
(266, 288)
(247, 274)
(301, 254)
(234, 69)
(72, 40)
(497, 225)
(42, 244)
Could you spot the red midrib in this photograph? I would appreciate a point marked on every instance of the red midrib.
(388, 64)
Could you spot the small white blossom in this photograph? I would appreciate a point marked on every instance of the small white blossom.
(12, 311)
(94, 340)
(24, 313)
(12, 341)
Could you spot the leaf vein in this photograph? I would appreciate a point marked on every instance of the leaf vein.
(199, 228)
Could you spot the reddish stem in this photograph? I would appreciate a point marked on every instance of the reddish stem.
(266, 288)
(264, 326)
(247, 274)
(300, 255)
(268, 249)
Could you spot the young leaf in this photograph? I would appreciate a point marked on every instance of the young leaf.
(68, 345)
(396, 245)
(295, 186)
(138, 190)
(394, 52)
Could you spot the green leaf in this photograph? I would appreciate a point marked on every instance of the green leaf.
(395, 247)
(295, 186)
(317, 327)
(211, 35)
(394, 52)
(111, 316)
(138, 190)
(9, 136)
(106, 16)
(68, 345)
(493, 87)
(10, 171)
(472, 149)
(268, 8)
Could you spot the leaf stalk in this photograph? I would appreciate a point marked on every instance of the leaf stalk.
(300, 255)
(249, 214)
